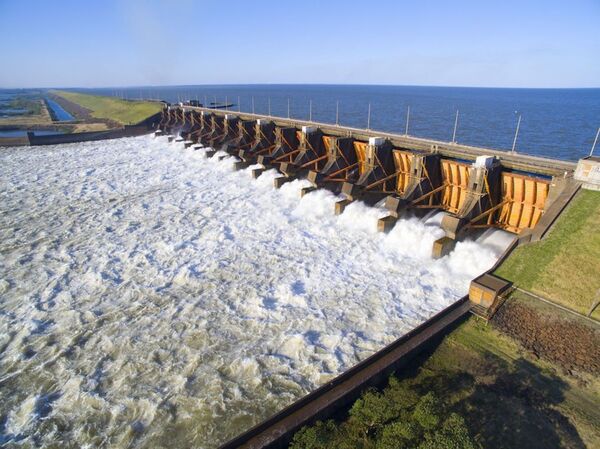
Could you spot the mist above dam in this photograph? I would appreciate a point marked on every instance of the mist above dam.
(155, 298)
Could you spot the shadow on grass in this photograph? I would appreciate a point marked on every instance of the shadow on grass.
(516, 410)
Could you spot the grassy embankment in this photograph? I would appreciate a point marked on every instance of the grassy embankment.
(564, 267)
(506, 397)
(121, 111)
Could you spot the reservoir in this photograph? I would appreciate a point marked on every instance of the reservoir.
(557, 123)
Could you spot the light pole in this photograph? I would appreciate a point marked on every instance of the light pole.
(407, 119)
(595, 141)
(310, 110)
(369, 117)
(337, 113)
(455, 126)
(516, 134)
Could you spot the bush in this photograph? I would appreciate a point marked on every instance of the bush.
(397, 418)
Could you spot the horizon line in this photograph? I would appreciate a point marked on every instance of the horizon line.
(146, 86)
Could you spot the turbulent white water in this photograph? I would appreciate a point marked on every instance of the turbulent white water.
(154, 298)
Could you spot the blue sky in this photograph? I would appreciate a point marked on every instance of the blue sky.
(444, 43)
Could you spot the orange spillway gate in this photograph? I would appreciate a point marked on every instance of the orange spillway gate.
(455, 178)
(403, 163)
(524, 199)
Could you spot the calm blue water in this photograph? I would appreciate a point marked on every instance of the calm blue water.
(559, 123)
(59, 112)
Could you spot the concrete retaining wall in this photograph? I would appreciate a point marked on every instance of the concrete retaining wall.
(144, 127)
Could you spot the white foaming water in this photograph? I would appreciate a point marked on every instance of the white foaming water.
(154, 298)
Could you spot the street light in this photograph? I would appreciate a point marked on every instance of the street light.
(455, 126)
(516, 134)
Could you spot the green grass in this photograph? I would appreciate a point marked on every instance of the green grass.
(122, 111)
(565, 265)
(509, 383)
(507, 397)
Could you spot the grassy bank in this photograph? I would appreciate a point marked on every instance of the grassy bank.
(505, 397)
(121, 111)
(563, 267)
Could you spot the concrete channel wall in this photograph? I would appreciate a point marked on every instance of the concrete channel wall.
(144, 127)
(56, 139)
(277, 431)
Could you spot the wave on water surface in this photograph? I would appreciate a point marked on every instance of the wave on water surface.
(154, 298)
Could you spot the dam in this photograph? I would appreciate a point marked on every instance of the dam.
(245, 279)
(240, 276)
(470, 193)
(474, 188)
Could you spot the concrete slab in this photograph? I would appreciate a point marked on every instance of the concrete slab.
(588, 172)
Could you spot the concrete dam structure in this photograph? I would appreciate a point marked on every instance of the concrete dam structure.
(474, 188)
(468, 190)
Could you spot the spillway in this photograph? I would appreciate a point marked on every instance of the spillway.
(155, 298)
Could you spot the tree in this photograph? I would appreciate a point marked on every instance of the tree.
(399, 435)
(318, 436)
(452, 435)
(428, 411)
(372, 410)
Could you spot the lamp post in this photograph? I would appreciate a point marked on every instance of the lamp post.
(595, 141)
(455, 126)
(516, 134)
